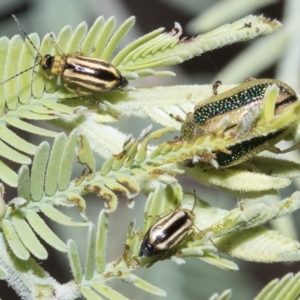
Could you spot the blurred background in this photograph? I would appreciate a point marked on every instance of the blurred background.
(275, 56)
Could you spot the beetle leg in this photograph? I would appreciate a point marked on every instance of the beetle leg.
(176, 118)
(215, 87)
(249, 79)
(79, 91)
(289, 149)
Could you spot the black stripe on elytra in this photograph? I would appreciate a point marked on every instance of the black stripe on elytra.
(99, 73)
(288, 100)
(173, 228)
(240, 149)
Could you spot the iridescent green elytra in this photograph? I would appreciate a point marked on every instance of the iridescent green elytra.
(242, 98)
(242, 151)
(248, 119)
(235, 110)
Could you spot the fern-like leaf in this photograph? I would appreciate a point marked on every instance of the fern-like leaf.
(49, 184)
(287, 288)
(32, 96)
(138, 166)
(170, 48)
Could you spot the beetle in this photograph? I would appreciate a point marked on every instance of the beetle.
(235, 111)
(168, 232)
(268, 115)
(82, 74)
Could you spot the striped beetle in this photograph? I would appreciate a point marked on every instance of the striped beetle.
(235, 111)
(168, 232)
(85, 73)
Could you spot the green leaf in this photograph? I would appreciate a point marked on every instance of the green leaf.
(27, 61)
(77, 37)
(55, 215)
(89, 294)
(14, 240)
(226, 295)
(288, 288)
(58, 107)
(220, 262)
(15, 122)
(240, 181)
(280, 167)
(3, 273)
(34, 116)
(107, 291)
(51, 178)
(3, 207)
(85, 156)
(90, 259)
(74, 261)
(13, 155)
(90, 39)
(260, 245)
(103, 37)
(64, 38)
(11, 87)
(170, 48)
(7, 175)
(65, 168)
(4, 44)
(254, 215)
(28, 237)
(115, 39)
(101, 241)
(24, 183)
(111, 200)
(40, 227)
(235, 183)
(15, 141)
(134, 45)
(288, 205)
(38, 171)
(77, 200)
(144, 285)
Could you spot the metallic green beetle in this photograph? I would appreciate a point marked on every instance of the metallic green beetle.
(234, 112)
(244, 119)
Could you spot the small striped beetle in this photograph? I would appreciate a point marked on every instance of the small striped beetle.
(235, 111)
(168, 232)
(85, 74)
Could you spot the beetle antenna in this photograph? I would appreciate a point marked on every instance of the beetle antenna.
(26, 35)
(195, 199)
(214, 66)
(20, 73)
(202, 232)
